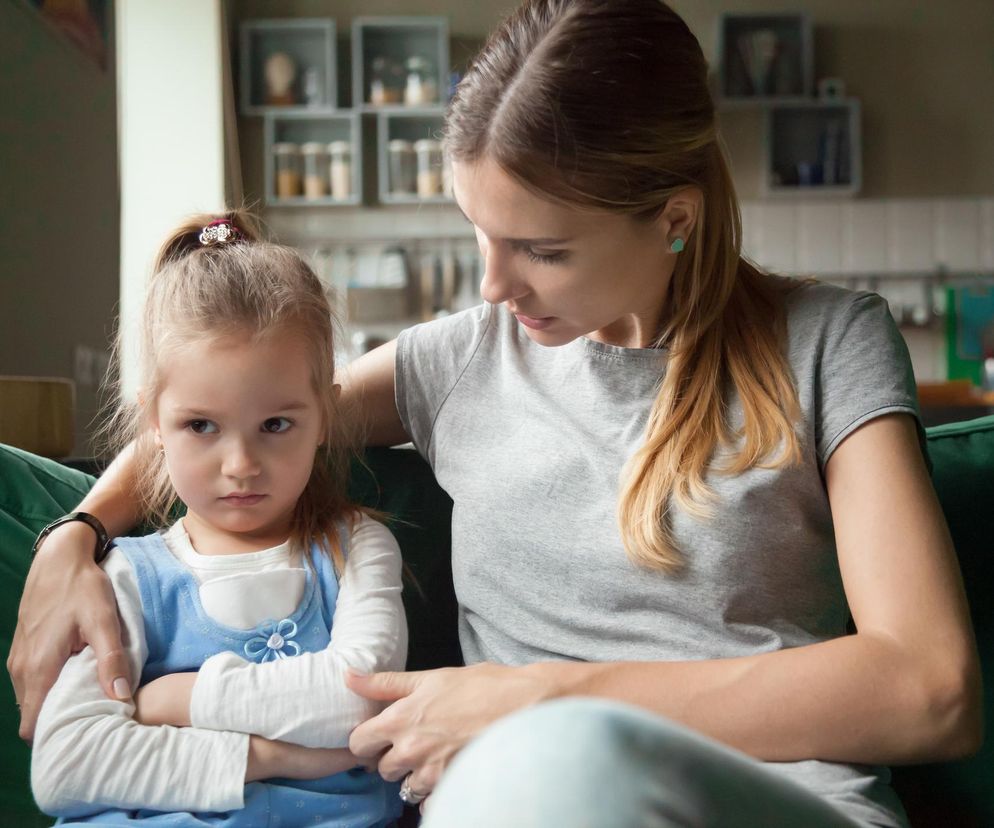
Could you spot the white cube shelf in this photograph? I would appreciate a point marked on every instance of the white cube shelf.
(302, 128)
(410, 125)
(814, 148)
(310, 44)
(764, 58)
(395, 40)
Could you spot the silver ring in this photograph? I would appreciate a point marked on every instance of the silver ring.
(408, 795)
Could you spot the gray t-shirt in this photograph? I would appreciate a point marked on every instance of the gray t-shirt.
(529, 441)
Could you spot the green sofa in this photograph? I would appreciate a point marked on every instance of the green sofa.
(33, 491)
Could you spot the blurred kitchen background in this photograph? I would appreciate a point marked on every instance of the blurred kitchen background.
(861, 137)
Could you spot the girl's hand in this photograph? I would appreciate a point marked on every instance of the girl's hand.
(268, 759)
(435, 712)
(67, 603)
(166, 701)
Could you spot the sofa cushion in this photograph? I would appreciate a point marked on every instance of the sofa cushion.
(33, 492)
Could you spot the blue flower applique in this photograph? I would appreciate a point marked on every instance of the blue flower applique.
(273, 641)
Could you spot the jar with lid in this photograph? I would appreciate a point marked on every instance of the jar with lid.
(341, 169)
(403, 167)
(315, 169)
(429, 152)
(287, 164)
(421, 87)
(385, 82)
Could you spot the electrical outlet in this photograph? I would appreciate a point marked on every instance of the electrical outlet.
(84, 363)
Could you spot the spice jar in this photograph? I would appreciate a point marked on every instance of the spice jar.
(384, 83)
(315, 169)
(429, 152)
(287, 164)
(420, 87)
(403, 167)
(341, 169)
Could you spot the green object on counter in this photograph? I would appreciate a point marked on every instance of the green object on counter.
(957, 366)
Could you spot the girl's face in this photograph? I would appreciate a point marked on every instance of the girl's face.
(239, 422)
(565, 273)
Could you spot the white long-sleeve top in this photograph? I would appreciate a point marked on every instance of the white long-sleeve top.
(90, 754)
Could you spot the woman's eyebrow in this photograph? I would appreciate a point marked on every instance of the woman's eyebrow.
(533, 241)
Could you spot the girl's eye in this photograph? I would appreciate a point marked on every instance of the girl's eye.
(545, 258)
(276, 425)
(201, 426)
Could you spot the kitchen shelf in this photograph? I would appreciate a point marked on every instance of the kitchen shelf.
(310, 44)
(301, 128)
(764, 58)
(410, 125)
(395, 40)
(813, 148)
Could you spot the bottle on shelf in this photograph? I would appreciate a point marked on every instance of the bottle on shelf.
(421, 87)
(287, 164)
(341, 169)
(429, 153)
(403, 167)
(315, 156)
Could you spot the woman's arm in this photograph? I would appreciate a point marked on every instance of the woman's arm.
(368, 394)
(68, 603)
(905, 688)
(304, 699)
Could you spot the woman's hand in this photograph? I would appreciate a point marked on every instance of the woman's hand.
(166, 701)
(268, 759)
(67, 603)
(435, 712)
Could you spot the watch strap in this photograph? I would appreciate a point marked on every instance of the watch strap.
(103, 539)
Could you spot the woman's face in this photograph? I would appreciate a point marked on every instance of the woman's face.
(565, 273)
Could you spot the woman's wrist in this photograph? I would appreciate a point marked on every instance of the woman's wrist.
(75, 539)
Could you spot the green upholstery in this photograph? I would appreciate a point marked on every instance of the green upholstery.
(34, 491)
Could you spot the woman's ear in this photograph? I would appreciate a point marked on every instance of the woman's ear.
(679, 216)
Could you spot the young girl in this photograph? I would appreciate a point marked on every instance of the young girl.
(237, 419)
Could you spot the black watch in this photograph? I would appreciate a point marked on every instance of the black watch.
(103, 540)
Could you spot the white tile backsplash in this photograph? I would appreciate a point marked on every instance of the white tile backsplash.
(864, 237)
(957, 234)
(987, 234)
(910, 236)
(777, 238)
(819, 238)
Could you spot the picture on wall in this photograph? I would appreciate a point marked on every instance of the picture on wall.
(84, 22)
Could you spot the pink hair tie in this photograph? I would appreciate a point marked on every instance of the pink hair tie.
(220, 231)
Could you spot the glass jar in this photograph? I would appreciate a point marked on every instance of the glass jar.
(421, 87)
(403, 167)
(429, 152)
(384, 82)
(315, 169)
(287, 165)
(341, 169)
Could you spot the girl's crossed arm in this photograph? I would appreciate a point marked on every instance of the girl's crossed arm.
(302, 699)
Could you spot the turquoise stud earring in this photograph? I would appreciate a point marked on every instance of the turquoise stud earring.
(676, 246)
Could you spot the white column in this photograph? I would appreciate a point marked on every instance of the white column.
(171, 134)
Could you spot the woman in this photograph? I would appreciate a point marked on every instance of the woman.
(674, 479)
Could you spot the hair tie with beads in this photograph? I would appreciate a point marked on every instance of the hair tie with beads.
(220, 231)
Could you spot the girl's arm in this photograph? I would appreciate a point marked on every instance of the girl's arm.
(89, 754)
(304, 699)
(68, 603)
(905, 688)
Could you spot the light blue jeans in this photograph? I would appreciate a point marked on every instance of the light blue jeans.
(586, 762)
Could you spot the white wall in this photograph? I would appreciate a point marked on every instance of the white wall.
(171, 127)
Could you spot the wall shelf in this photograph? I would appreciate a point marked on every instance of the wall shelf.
(383, 49)
(302, 128)
(310, 45)
(814, 148)
(764, 58)
(407, 125)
